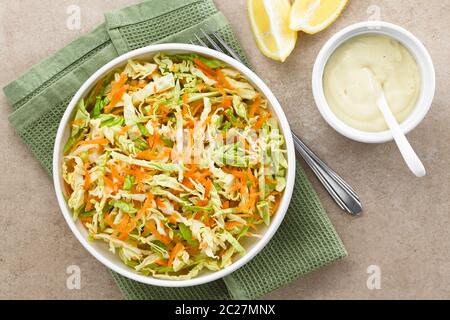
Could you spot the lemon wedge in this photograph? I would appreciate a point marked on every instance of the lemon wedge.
(270, 24)
(312, 16)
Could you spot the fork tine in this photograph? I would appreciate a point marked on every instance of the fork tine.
(229, 50)
(211, 41)
(202, 43)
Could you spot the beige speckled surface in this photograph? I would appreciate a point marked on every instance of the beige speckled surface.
(405, 227)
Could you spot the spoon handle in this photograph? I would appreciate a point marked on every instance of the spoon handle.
(339, 190)
(408, 153)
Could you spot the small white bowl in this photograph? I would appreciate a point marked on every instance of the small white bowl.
(418, 51)
(100, 249)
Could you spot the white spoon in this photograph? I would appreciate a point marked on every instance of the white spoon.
(408, 153)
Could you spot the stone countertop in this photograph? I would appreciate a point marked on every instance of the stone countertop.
(405, 227)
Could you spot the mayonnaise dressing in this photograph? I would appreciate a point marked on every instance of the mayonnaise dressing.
(349, 81)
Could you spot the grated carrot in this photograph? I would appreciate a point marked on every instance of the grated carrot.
(115, 174)
(147, 204)
(151, 155)
(95, 141)
(88, 202)
(205, 69)
(122, 229)
(223, 80)
(124, 130)
(152, 227)
(108, 220)
(255, 105)
(203, 202)
(276, 204)
(227, 102)
(160, 203)
(198, 216)
(161, 262)
(200, 87)
(109, 183)
(226, 204)
(173, 254)
(86, 220)
(261, 120)
(231, 224)
(172, 219)
(87, 176)
(117, 91)
(208, 186)
(137, 173)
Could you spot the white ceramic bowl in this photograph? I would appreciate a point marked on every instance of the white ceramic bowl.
(99, 249)
(418, 51)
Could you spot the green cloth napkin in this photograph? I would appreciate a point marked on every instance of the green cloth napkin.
(305, 241)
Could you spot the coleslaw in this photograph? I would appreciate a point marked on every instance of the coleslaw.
(174, 162)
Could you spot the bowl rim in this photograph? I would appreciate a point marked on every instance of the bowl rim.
(411, 42)
(278, 217)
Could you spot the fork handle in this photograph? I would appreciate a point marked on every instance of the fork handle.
(339, 190)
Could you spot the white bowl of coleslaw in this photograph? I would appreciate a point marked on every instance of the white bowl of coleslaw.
(101, 250)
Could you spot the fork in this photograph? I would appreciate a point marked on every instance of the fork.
(342, 193)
